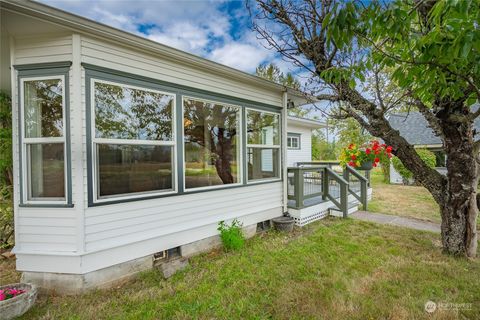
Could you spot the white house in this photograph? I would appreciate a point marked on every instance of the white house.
(124, 148)
(299, 139)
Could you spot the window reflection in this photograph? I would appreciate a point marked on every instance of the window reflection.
(211, 143)
(46, 170)
(43, 108)
(128, 168)
(123, 112)
(263, 163)
(263, 128)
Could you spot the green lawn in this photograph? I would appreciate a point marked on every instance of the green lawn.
(332, 269)
(407, 201)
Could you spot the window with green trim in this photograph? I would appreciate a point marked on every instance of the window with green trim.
(133, 140)
(263, 145)
(293, 141)
(43, 139)
(212, 143)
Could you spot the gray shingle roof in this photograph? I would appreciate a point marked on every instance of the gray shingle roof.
(415, 129)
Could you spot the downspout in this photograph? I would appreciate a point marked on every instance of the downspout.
(284, 148)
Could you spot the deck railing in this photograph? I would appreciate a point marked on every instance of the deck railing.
(311, 183)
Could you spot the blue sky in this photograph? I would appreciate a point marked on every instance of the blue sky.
(214, 29)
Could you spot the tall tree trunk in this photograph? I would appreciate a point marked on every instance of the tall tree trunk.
(459, 209)
(223, 150)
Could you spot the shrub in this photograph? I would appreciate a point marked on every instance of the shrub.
(5, 139)
(6, 217)
(427, 156)
(232, 236)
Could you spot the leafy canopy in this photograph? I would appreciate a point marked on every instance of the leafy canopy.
(441, 47)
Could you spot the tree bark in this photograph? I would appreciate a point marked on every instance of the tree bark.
(459, 207)
(223, 150)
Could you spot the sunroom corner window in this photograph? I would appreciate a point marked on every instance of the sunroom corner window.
(263, 145)
(43, 139)
(133, 140)
(212, 144)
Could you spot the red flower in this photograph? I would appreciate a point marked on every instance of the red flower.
(389, 149)
(354, 157)
(368, 151)
(376, 151)
(374, 164)
(377, 159)
(350, 146)
(351, 164)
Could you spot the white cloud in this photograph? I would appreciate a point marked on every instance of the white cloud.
(241, 56)
(183, 36)
(197, 26)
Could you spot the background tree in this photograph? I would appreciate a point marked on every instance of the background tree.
(322, 149)
(433, 50)
(6, 177)
(272, 72)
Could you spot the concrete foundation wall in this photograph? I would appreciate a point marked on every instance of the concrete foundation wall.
(70, 284)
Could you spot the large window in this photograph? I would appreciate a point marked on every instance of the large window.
(263, 144)
(43, 139)
(133, 140)
(212, 143)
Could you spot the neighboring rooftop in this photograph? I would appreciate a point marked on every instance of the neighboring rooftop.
(415, 129)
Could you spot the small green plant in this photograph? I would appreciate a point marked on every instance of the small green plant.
(427, 156)
(232, 236)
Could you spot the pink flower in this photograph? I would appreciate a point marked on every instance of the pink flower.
(2, 296)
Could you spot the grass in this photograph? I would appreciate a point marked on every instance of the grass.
(408, 201)
(332, 269)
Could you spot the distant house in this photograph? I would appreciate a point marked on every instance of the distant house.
(414, 128)
(299, 139)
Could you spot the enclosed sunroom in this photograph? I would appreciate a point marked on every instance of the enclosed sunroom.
(125, 148)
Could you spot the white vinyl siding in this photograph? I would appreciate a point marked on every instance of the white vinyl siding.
(42, 49)
(116, 57)
(120, 224)
(40, 230)
(304, 153)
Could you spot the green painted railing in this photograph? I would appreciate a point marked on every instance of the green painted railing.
(311, 183)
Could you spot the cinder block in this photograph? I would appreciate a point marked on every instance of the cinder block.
(200, 246)
(169, 268)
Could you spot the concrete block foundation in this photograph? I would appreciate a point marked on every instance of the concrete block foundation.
(70, 284)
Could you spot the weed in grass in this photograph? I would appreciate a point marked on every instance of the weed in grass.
(232, 236)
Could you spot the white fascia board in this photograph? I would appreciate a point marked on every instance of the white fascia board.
(307, 123)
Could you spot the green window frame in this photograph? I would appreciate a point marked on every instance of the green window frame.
(180, 91)
(39, 156)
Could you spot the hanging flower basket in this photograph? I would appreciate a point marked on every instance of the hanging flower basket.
(366, 156)
(367, 165)
(16, 299)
